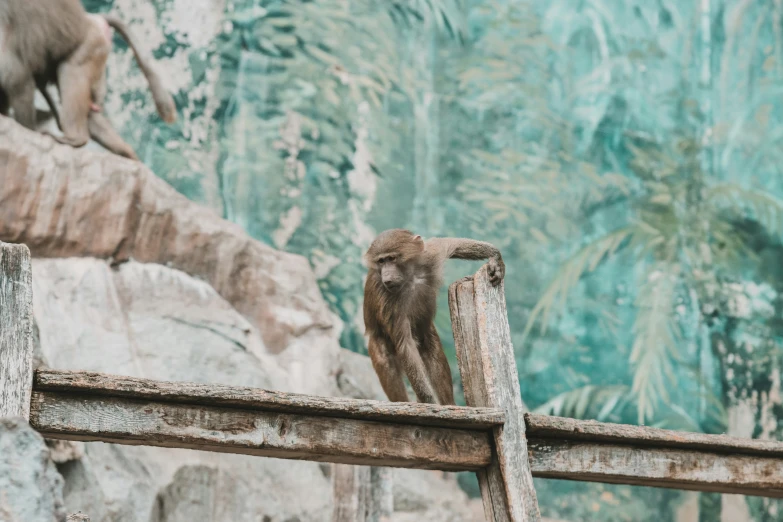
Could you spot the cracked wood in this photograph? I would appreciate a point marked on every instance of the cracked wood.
(123, 420)
(587, 450)
(489, 376)
(16, 330)
(599, 461)
(417, 414)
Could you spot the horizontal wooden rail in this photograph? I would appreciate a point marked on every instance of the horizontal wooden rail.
(273, 401)
(591, 451)
(124, 410)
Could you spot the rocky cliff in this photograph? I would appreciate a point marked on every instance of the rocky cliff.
(132, 278)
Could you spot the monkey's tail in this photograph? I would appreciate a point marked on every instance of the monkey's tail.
(163, 100)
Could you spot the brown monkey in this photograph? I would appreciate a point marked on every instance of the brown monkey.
(405, 273)
(56, 41)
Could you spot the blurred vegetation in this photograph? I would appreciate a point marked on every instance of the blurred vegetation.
(624, 155)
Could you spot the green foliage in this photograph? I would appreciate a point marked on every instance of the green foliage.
(586, 502)
(682, 231)
(586, 260)
(593, 402)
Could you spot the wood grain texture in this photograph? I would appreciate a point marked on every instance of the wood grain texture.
(550, 427)
(417, 414)
(351, 491)
(466, 342)
(16, 330)
(659, 467)
(489, 376)
(122, 420)
(362, 493)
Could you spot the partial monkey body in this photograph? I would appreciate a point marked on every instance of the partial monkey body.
(45, 42)
(400, 300)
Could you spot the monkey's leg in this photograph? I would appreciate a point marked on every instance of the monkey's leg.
(388, 370)
(437, 366)
(102, 132)
(408, 353)
(74, 83)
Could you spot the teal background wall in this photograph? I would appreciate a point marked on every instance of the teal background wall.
(624, 155)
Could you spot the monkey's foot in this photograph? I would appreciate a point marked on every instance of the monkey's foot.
(65, 140)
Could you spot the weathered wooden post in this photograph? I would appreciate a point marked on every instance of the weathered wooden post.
(16, 330)
(349, 492)
(489, 378)
(361, 493)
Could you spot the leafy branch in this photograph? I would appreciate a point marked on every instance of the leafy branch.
(584, 261)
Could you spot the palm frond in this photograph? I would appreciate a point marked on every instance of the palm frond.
(593, 402)
(656, 333)
(445, 15)
(584, 261)
(613, 404)
(674, 417)
(765, 208)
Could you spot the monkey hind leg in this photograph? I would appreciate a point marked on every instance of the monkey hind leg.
(388, 370)
(74, 82)
(103, 132)
(437, 365)
(410, 356)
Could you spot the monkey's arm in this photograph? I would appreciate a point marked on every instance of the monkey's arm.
(460, 248)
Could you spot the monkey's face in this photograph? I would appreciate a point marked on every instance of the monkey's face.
(392, 272)
(393, 257)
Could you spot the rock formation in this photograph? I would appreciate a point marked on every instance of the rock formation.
(30, 487)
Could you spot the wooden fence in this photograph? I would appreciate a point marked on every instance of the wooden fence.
(505, 446)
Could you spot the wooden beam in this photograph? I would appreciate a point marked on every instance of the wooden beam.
(417, 414)
(361, 493)
(668, 468)
(591, 451)
(489, 377)
(551, 427)
(351, 491)
(16, 330)
(122, 420)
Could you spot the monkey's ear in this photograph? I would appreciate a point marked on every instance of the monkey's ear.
(417, 238)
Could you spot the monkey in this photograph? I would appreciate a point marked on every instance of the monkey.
(99, 127)
(400, 293)
(46, 42)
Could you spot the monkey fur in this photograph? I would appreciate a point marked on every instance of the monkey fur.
(57, 41)
(400, 293)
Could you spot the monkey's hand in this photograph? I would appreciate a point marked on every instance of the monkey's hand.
(496, 270)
